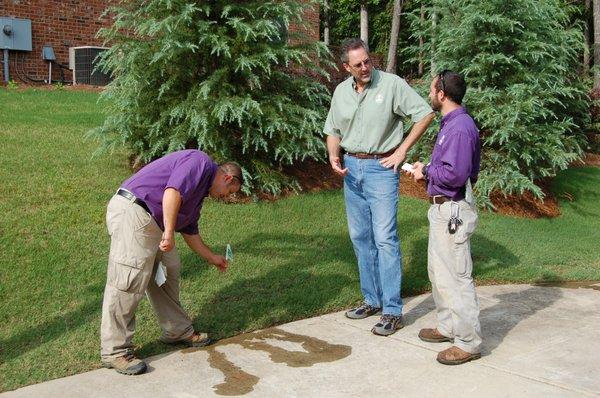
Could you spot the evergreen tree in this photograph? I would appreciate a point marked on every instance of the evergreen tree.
(226, 77)
(521, 62)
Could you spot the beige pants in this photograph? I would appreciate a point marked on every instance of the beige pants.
(132, 264)
(450, 267)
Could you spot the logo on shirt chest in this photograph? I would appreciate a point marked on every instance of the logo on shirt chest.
(379, 98)
(441, 139)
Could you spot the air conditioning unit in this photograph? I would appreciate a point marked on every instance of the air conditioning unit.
(83, 61)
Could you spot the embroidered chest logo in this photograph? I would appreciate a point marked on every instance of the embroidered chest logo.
(379, 98)
(441, 140)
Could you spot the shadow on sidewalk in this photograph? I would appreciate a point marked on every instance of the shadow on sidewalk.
(487, 257)
(512, 308)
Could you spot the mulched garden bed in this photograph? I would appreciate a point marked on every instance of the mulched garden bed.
(315, 176)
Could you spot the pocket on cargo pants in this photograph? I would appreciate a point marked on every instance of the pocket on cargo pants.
(468, 215)
(134, 242)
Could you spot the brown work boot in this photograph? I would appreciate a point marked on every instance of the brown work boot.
(195, 340)
(456, 356)
(433, 336)
(127, 364)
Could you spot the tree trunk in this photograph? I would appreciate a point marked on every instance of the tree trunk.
(433, 28)
(392, 51)
(586, 36)
(364, 23)
(422, 20)
(326, 38)
(597, 44)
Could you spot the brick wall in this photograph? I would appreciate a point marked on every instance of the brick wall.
(311, 17)
(60, 24)
(68, 23)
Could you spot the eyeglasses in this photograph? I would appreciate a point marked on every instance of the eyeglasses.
(364, 63)
(441, 76)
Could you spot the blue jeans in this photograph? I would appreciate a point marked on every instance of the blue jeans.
(371, 195)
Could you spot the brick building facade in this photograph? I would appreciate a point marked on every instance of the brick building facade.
(67, 23)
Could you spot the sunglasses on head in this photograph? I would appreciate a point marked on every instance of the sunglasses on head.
(441, 77)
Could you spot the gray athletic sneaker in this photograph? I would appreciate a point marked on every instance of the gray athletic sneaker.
(388, 324)
(363, 311)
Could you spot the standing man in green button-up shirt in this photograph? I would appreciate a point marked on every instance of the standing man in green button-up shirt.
(365, 120)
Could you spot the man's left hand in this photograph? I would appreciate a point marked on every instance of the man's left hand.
(393, 160)
(418, 171)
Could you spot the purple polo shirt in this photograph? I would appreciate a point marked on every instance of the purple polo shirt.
(455, 156)
(191, 172)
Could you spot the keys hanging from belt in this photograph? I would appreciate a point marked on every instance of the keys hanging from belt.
(454, 221)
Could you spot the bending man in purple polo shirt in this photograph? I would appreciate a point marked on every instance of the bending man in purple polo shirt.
(163, 197)
(452, 219)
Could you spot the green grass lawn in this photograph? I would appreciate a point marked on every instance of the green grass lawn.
(293, 258)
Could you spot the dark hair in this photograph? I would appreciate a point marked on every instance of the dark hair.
(453, 85)
(233, 169)
(351, 44)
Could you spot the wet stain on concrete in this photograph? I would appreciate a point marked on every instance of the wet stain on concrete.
(594, 285)
(239, 382)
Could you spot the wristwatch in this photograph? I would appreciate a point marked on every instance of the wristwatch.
(424, 171)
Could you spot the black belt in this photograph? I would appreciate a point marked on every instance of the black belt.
(439, 199)
(129, 196)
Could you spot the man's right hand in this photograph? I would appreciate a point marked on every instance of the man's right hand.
(167, 243)
(336, 165)
(220, 262)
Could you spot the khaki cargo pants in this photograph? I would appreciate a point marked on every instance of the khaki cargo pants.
(132, 264)
(450, 266)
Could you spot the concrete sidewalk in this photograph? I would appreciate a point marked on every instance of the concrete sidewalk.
(538, 342)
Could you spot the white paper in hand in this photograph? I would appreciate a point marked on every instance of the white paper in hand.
(407, 167)
(228, 253)
(161, 275)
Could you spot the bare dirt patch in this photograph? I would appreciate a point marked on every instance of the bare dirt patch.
(527, 205)
(315, 176)
(589, 159)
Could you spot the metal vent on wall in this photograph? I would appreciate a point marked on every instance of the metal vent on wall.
(83, 61)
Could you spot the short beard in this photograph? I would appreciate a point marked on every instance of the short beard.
(366, 80)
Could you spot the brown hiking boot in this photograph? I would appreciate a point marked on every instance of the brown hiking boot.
(195, 340)
(127, 364)
(433, 336)
(456, 356)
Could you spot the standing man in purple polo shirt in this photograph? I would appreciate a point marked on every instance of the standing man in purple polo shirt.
(452, 217)
(164, 197)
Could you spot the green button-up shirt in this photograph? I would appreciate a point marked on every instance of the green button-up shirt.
(371, 121)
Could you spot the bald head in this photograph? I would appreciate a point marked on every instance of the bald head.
(233, 169)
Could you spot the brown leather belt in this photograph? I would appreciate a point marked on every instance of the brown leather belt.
(438, 199)
(362, 155)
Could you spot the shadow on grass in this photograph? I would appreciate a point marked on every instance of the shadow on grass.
(54, 328)
(297, 287)
(488, 256)
(575, 191)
